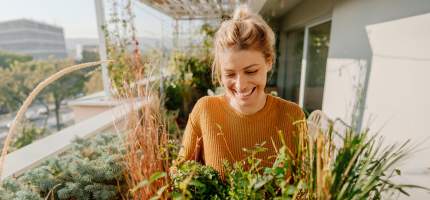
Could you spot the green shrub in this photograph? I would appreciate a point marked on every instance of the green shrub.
(92, 169)
(194, 181)
(191, 80)
(27, 135)
(360, 168)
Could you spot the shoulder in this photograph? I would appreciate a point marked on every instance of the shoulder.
(206, 103)
(287, 108)
(203, 109)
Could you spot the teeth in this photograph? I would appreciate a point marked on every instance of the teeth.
(242, 94)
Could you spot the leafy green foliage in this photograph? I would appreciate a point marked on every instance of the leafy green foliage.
(17, 82)
(369, 169)
(89, 56)
(174, 96)
(7, 59)
(66, 87)
(191, 76)
(359, 169)
(191, 80)
(194, 181)
(123, 49)
(27, 135)
(12, 189)
(22, 77)
(92, 169)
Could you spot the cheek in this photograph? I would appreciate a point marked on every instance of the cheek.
(226, 82)
(261, 80)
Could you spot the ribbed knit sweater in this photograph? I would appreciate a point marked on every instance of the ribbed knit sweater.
(224, 132)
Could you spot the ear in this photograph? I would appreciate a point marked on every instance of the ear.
(269, 65)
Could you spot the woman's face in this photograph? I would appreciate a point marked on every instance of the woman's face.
(244, 76)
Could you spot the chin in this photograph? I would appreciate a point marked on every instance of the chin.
(242, 103)
(248, 102)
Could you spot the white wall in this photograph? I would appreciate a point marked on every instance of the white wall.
(399, 88)
(350, 54)
(384, 46)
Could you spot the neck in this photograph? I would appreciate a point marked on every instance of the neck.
(248, 110)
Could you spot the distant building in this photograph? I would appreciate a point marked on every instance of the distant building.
(75, 46)
(80, 48)
(33, 38)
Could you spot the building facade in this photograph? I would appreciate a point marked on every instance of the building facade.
(33, 38)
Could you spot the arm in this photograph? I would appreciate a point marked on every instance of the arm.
(192, 143)
(298, 136)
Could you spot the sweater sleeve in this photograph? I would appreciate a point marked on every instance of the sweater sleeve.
(192, 135)
(297, 118)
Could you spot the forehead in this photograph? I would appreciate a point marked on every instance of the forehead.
(231, 59)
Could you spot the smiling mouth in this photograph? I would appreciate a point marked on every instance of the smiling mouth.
(245, 94)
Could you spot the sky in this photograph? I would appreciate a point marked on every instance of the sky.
(78, 19)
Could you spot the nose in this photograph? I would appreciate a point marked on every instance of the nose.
(240, 83)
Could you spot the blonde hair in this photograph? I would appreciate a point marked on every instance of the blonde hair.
(245, 31)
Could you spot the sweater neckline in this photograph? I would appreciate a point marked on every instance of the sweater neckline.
(261, 113)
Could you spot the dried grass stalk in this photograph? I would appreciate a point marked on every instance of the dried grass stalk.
(146, 138)
(146, 156)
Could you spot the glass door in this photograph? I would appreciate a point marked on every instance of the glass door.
(306, 59)
(318, 39)
(293, 68)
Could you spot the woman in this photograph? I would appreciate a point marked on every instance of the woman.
(220, 127)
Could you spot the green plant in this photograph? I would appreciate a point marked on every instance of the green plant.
(16, 83)
(92, 169)
(122, 47)
(27, 135)
(191, 80)
(12, 189)
(21, 77)
(7, 59)
(191, 180)
(191, 76)
(360, 168)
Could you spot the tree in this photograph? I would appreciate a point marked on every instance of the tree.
(89, 56)
(66, 87)
(95, 81)
(16, 83)
(6, 59)
(22, 77)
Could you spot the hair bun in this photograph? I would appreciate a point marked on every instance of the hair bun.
(242, 12)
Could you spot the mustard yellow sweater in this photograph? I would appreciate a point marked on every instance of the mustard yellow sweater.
(224, 133)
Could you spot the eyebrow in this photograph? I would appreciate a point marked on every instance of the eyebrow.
(245, 68)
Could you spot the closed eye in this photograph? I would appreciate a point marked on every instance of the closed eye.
(229, 75)
(251, 72)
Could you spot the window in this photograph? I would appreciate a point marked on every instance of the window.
(316, 61)
(306, 59)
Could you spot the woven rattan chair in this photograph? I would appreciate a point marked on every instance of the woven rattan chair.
(318, 122)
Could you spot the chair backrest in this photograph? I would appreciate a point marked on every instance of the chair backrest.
(318, 122)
